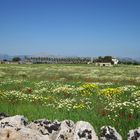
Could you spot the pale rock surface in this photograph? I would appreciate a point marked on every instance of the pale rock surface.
(84, 131)
(46, 127)
(3, 115)
(66, 130)
(10, 133)
(134, 134)
(18, 128)
(15, 121)
(14, 128)
(109, 133)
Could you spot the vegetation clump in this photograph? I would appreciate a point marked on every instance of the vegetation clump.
(107, 96)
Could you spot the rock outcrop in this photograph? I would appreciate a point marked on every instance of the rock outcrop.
(14, 128)
(134, 134)
(84, 131)
(46, 127)
(3, 115)
(109, 133)
(18, 128)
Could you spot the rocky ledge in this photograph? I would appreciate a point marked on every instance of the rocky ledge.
(18, 128)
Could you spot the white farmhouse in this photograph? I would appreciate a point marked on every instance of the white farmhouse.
(103, 64)
(115, 61)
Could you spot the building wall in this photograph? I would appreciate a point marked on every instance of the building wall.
(115, 61)
(103, 64)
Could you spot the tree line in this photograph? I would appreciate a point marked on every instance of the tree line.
(73, 60)
(62, 60)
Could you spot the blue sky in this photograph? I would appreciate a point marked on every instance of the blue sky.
(70, 27)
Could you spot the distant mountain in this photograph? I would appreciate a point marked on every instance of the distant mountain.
(9, 57)
(47, 55)
(5, 56)
(127, 59)
(137, 59)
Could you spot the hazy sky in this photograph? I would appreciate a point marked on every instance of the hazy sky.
(70, 27)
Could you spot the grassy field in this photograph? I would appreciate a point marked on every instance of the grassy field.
(99, 95)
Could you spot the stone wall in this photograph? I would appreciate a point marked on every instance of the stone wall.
(18, 128)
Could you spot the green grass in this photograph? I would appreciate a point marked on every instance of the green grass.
(52, 91)
(33, 112)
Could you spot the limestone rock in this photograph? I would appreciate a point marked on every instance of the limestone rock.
(109, 133)
(15, 121)
(46, 127)
(14, 128)
(3, 115)
(84, 131)
(11, 133)
(18, 128)
(134, 134)
(66, 130)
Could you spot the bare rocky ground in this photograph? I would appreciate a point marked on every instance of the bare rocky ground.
(18, 128)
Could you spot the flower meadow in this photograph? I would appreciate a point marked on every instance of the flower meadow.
(73, 92)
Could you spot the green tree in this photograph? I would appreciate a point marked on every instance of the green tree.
(16, 59)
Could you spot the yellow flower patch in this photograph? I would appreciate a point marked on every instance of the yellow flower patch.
(109, 92)
(79, 106)
(90, 86)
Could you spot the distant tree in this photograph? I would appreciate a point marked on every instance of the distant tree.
(100, 59)
(135, 63)
(5, 60)
(16, 59)
(104, 59)
(107, 59)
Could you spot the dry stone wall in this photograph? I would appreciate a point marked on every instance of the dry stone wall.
(18, 128)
